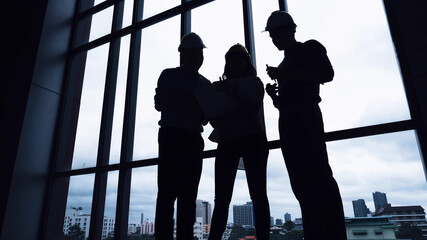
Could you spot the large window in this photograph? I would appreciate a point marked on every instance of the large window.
(121, 47)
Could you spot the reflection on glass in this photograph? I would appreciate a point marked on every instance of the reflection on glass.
(152, 7)
(79, 204)
(142, 206)
(101, 23)
(218, 36)
(110, 205)
(367, 88)
(88, 126)
(388, 163)
(159, 51)
(119, 104)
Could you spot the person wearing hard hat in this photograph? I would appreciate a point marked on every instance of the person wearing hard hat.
(180, 141)
(241, 133)
(296, 95)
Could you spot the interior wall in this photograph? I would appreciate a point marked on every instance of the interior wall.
(30, 110)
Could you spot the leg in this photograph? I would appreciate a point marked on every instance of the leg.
(255, 159)
(225, 174)
(190, 170)
(167, 190)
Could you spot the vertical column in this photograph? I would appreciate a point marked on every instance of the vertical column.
(100, 186)
(283, 5)
(249, 29)
(185, 21)
(407, 22)
(123, 195)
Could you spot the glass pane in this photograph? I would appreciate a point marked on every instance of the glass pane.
(110, 205)
(388, 163)
(88, 126)
(101, 23)
(266, 53)
(280, 196)
(159, 51)
(127, 14)
(79, 204)
(153, 7)
(367, 87)
(143, 196)
(119, 104)
(218, 36)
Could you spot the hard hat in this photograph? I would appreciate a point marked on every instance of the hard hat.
(191, 40)
(279, 19)
(238, 48)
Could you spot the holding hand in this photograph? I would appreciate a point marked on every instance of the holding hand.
(274, 72)
(271, 89)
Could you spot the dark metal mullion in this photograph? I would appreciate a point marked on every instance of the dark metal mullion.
(283, 5)
(185, 21)
(249, 29)
(140, 25)
(125, 174)
(101, 177)
(367, 131)
(408, 81)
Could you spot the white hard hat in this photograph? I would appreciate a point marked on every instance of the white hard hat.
(191, 40)
(279, 19)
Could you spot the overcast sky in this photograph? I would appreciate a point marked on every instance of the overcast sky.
(367, 89)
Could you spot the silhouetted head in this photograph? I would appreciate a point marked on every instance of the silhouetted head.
(238, 63)
(191, 52)
(282, 29)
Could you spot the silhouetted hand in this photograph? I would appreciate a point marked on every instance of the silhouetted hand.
(271, 89)
(274, 72)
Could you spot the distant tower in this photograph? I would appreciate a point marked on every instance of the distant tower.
(142, 218)
(279, 222)
(271, 221)
(379, 199)
(203, 210)
(287, 217)
(360, 209)
(244, 214)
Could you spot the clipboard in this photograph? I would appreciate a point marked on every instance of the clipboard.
(213, 101)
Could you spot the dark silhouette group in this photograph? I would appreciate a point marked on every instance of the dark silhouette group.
(183, 96)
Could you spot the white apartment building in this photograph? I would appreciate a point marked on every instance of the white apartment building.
(83, 220)
(147, 228)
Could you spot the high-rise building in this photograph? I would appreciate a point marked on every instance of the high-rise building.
(271, 221)
(379, 199)
(360, 209)
(279, 222)
(142, 218)
(203, 210)
(244, 214)
(287, 217)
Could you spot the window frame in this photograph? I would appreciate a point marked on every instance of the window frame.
(68, 123)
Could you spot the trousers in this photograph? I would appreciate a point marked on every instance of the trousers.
(254, 151)
(304, 151)
(179, 171)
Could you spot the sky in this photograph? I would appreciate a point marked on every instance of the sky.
(366, 90)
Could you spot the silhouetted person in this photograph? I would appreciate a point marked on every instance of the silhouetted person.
(241, 133)
(303, 69)
(180, 142)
